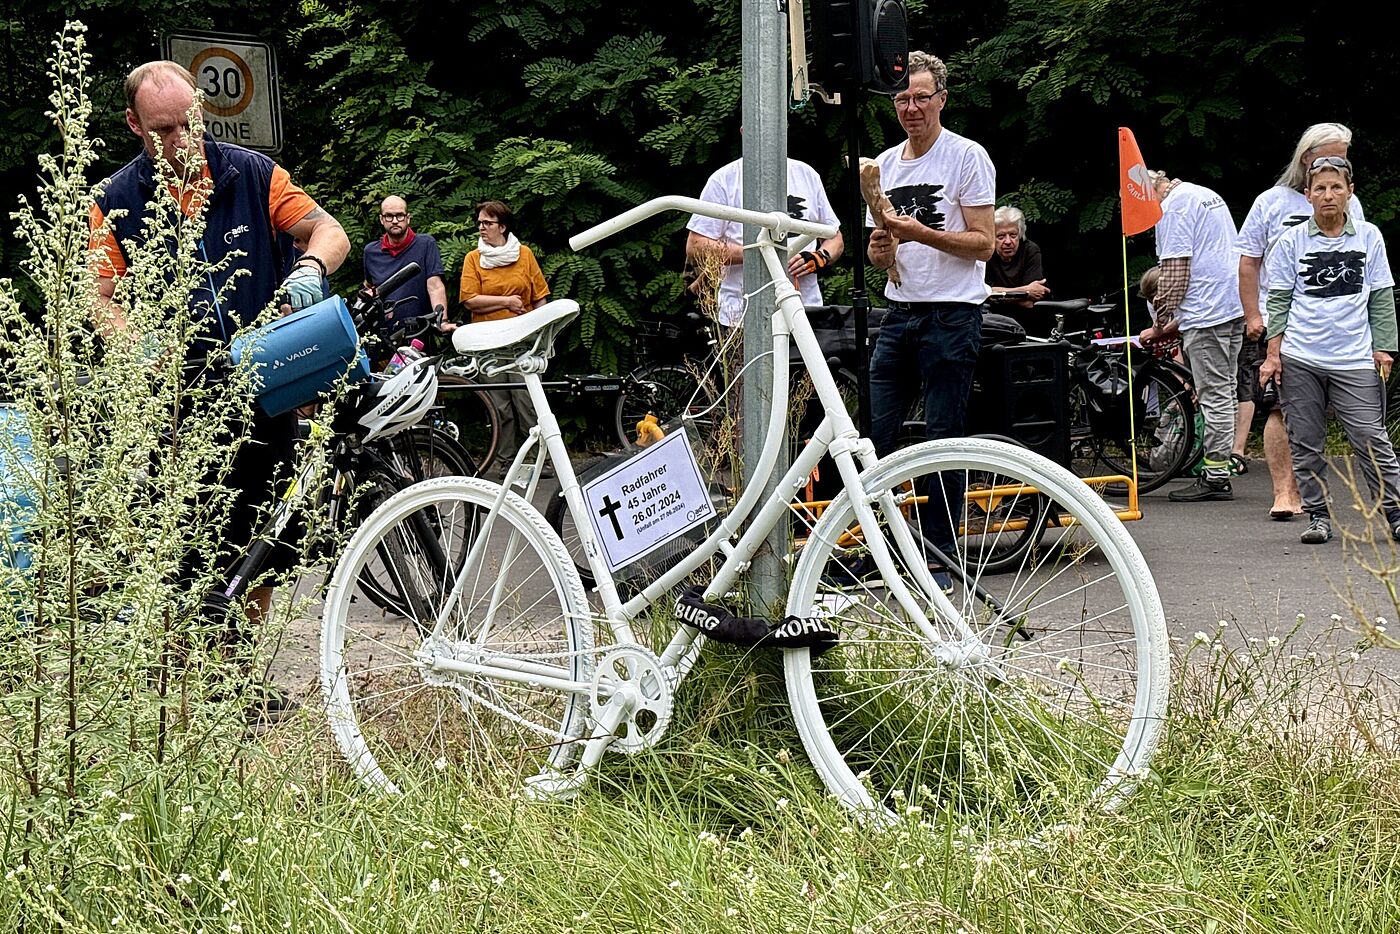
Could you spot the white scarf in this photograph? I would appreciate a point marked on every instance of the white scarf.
(495, 256)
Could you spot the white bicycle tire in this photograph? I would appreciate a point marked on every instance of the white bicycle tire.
(536, 535)
(1128, 565)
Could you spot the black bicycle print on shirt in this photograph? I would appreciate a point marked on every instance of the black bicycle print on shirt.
(919, 202)
(1333, 273)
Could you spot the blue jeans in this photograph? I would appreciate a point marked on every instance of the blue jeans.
(933, 351)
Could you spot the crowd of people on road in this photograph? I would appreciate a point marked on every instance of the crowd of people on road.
(1296, 305)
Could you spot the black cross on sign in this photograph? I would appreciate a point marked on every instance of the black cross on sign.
(609, 512)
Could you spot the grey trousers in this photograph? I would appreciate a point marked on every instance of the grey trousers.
(1357, 398)
(516, 413)
(1213, 355)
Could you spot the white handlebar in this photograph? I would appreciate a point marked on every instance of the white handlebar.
(779, 223)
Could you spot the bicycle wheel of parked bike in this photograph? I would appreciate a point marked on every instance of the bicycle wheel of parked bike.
(1027, 696)
(1017, 518)
(420, 453)
(668, 391)
(1166, 433)
(477, 422)
(520, 607)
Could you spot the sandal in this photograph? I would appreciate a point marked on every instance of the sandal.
(1238, 465)
(1283, 515)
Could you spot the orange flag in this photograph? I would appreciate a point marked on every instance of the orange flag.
(1141, 210)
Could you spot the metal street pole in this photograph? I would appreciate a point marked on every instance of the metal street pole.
(765, 189)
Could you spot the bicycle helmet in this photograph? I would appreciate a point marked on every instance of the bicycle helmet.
(389, 406)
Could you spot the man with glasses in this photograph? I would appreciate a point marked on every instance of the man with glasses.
(399, 246)
(943, 189)
(1198, 294)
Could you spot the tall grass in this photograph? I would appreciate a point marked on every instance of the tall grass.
(1273, 807)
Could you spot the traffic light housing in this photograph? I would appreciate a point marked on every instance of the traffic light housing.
(859, 44)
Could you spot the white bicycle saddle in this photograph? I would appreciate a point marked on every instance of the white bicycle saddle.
(541, 324)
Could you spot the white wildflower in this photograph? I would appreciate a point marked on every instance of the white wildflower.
(495, 875)
(1200, 637)
(187, 809)
(225, 875)
(464, 862)
(1273, 642)
(781, 804)
(250, 841)
(125, 816)
(228, 906)
(108, 793)
(440, 763)
(427, 845)
(435, 886)
(746, 833)
(673, 884)
(184, 878)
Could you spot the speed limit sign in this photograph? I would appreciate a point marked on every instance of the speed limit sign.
(238, 78)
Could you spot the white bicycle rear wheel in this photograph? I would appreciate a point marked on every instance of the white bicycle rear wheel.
(1019, 717)
(521, 606)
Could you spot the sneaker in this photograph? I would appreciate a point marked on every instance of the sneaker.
(1203, 490)
(1318, 532)
(943, 581)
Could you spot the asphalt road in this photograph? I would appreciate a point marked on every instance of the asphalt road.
(1211, 561)
(1228, 560)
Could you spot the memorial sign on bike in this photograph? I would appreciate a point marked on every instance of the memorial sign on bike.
(238, 80)
(647, 501)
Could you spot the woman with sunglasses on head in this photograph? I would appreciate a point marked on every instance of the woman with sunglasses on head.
(1331, 342)
(501, 279)
(1277, 210)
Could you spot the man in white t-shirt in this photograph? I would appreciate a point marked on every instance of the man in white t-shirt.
(1332, 341)
(1274, 212)
(943, 189)
(806, 200)
(1198, 294)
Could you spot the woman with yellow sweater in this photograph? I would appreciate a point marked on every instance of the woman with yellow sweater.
(501, 279)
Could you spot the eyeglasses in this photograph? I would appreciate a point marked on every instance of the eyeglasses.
(397, 216)
(486, 223)
(1335, 162)
(905, 101)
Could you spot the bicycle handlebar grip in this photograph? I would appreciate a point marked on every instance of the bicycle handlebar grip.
(779, 223)
(400, 276)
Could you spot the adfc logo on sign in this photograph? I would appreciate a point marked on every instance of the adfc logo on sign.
(238, 78)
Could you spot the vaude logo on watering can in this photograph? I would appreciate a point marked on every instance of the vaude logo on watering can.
(294, 357)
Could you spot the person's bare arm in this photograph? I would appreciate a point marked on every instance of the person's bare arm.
(324, 238)
(485, 303)
(1249, 296)
(698, 247)
(978, 241)
(107, 316)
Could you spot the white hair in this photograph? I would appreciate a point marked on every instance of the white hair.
(1295, 174)
(1006, 214)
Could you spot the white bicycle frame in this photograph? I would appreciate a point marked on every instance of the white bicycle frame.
(836, 434)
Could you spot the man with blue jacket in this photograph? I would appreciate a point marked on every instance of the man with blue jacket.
(253, 212)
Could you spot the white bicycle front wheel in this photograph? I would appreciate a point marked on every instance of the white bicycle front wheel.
(1021, 695)
(520, 606)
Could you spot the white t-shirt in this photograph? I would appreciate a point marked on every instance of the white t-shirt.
(1332, 279)
(806, 200)
(1273, 213)
(933, 189)
(1196, 223)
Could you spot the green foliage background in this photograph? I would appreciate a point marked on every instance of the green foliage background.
(572, 111)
